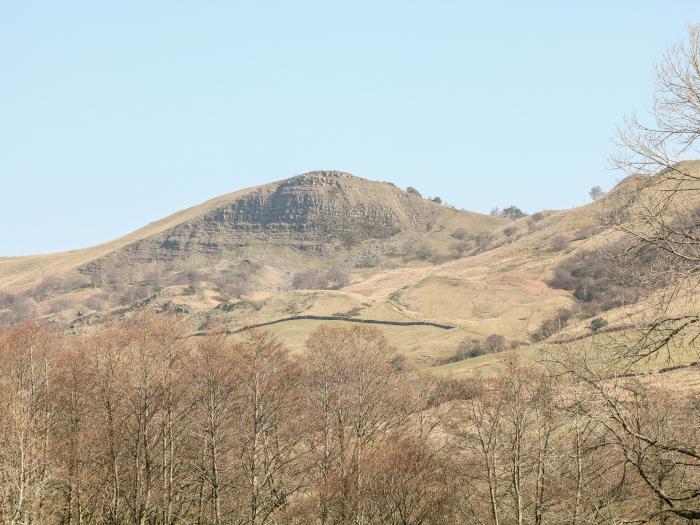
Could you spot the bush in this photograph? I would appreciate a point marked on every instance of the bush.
(399, 363)
(598, 324)
(232, 286)
(459, 249)
(22, 309)
(461, 389)
(6, 299)
(510, 230)
(132, 294)
(45, 289)
(60, 305)
(558, 243)
(116, 276)
(333, 278)
(495, 344)
(537, 216)
(471, 348)
(423, 251)
(311, 280)
(413, 191)
(235, 289)
(483, 241)
(596, 193)
(369, 260)
(337, 278)
(97, 302)
(460, 234)
(437, 200)
(467, 349)
(595, 283)
(512, 213)
(551, 326)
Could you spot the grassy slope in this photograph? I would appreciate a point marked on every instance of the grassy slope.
(18, 272)
(502, 290)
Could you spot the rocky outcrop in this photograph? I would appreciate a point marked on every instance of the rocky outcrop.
(303, 213)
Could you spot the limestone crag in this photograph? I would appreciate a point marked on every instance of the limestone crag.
(305, 212)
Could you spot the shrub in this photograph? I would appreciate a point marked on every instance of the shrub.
(423, 251)
(483, 241)
(467, 349)
(598, 324)
(459, 249)
(22, 309)
(232, 285)
(6, 299)
(45, 289)
(369, 260)
(399, 363)
(437, 200)
(235, 289)
(337, 278)
(132, 294)
(471, 348)
(595, 282)
(116, 276)
(321, 279)
(586, 233)
(60, 305)
(510, 230)
(311, 280)
(596, 193)
(558, 243)
(537, 216)
(413, 191)
(460, 234)
(551, 326)
(495, 344)
(512, 213)
(455, 389)
(97, 302)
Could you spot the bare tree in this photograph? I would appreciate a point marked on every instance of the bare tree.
(267, 426)
(356, 397)
(213, 414)
(21, 309)
(27, 410)
(657, 211)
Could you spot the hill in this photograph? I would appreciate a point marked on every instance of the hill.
(326, 247)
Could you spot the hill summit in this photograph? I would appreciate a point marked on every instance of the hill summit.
(319, 218)
(315, 219)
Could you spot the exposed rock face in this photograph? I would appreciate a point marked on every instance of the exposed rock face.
(314, 202)
(298, 213)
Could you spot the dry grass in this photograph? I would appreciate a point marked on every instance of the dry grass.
(502, 290)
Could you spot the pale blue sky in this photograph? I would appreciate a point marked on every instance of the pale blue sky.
(114, 114)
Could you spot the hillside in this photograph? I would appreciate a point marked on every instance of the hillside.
(324, 247)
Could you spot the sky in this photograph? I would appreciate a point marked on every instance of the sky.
(115, 114)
